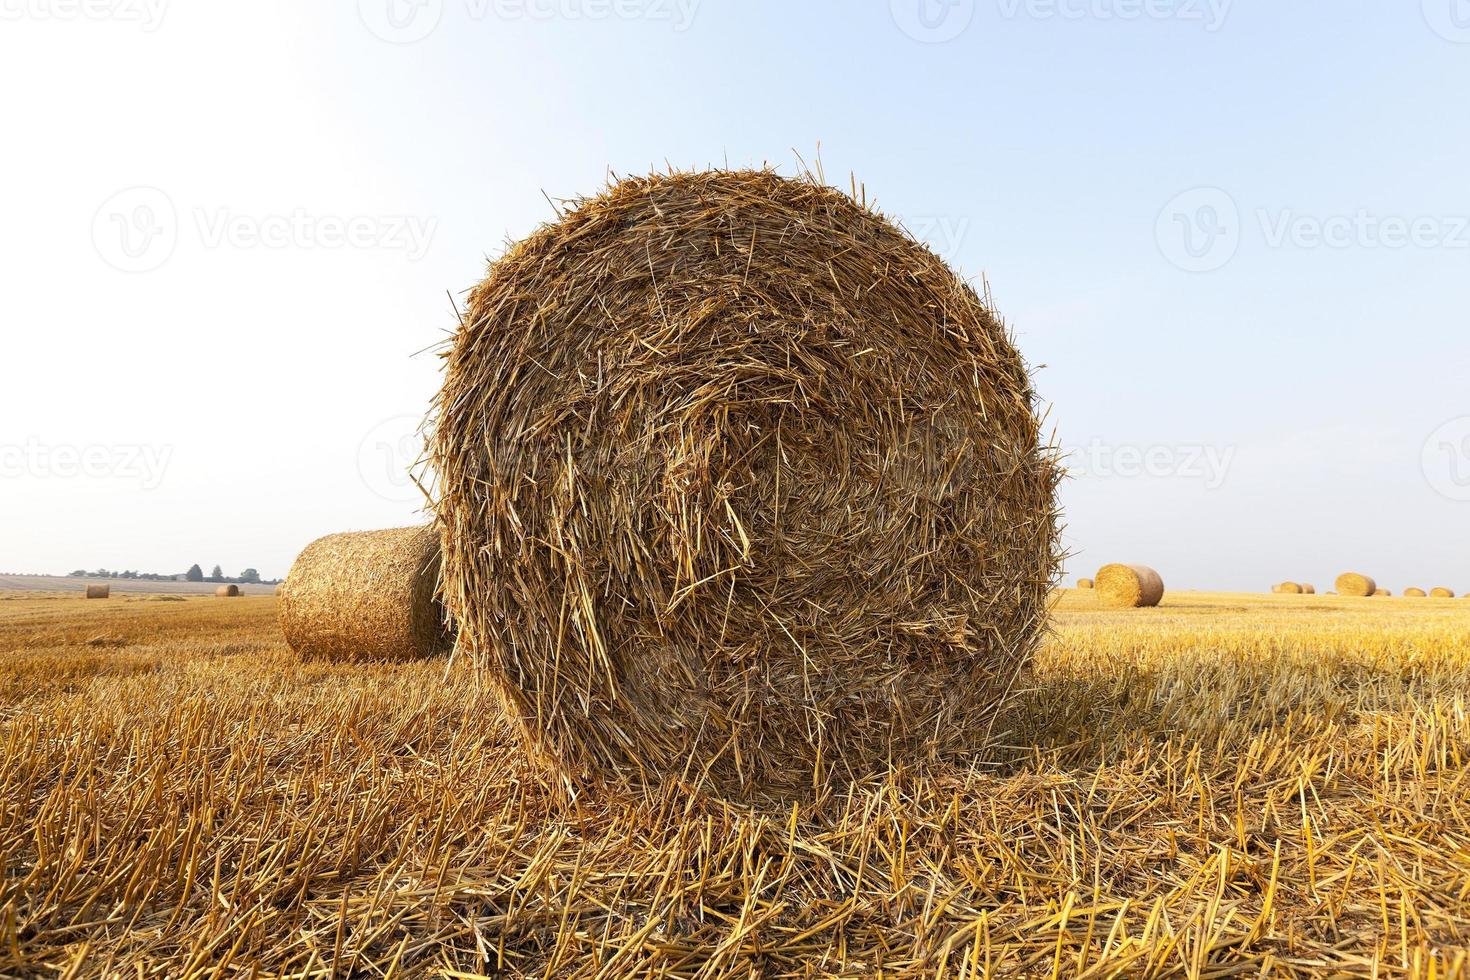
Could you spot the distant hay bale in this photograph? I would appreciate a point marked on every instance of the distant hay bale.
(1353, 584)
(1129, 586)
(1382, 592)
(1084, 583)
(1309, 589)
(99, 591)
(227, 591)
(1415, 593)
(740, 485)
(365, 595)
(1289, 588)
(1442, 593)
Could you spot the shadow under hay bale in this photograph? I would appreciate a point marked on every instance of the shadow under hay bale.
(1353, 584)
(365, 595)
(1129, 586)
(740, 486)
(99, 591)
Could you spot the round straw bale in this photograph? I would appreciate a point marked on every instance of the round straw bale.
(1308, 589)
(1351, 583)
(1442, 593)
(1084, 583)
(741, 486)
(365, 595)
(227, 591)
(1415, 593)
(1289, 588)
(1129, 586)
(99, 591)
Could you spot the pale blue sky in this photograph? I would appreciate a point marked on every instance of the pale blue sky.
(229, 375)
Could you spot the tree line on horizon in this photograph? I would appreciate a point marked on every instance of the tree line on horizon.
(195, 574)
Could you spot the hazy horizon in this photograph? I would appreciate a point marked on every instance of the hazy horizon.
(1233, 239)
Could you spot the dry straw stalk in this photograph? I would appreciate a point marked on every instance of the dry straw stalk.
(740, 485)
(365, 595)
(1351, 583)
(1129, 586)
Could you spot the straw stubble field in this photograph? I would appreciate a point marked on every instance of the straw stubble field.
(1223, 785)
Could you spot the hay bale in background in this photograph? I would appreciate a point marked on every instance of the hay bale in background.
(1351, 583)
(1442, 593)
(1084, 583)
(1308, 589)
(1288, 588)
(227, 591)
(99, 591)
(740, 484)
(1414, 593)
(1129, 586)
(365, 595)
(1382, 592)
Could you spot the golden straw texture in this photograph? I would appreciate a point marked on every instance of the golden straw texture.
(365, 595)
(1351, 583)
(1129, 586)
(740, 486)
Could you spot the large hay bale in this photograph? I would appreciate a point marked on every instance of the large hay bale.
(1289, 588)
(1415, 593)
(99, 591)
(227, 591)
(1351, 583)
(740, 485)
(1129, 586)
(1084, 583)
(365, 595)
(1442, 593)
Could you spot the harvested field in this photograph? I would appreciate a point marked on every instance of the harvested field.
(1222, 785)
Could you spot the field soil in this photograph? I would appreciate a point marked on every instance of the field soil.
(1225, 785)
